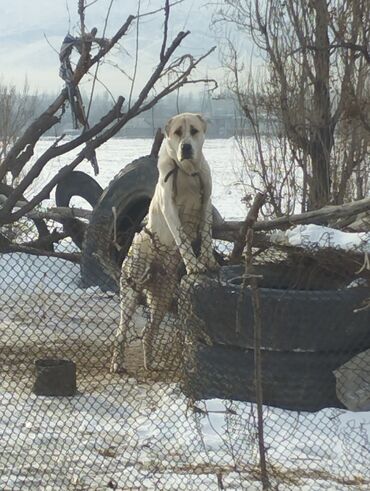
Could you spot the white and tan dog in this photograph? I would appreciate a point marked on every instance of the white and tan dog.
(179, 214)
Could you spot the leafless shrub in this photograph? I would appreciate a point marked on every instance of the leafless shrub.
(313, 97)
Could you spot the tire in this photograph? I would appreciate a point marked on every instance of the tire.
(316, 320)
(306, 335)
(130, 194)
(77, 184)
(285, 276)
(40, 225)
(295, 381)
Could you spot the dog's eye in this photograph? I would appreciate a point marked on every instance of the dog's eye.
(193, 131)
(178, 132)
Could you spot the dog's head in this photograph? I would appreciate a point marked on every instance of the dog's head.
(184, 140)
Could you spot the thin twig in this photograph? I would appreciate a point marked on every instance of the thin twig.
(51, 46)
(53, 152)
(152, 12)
(165, 29)
(136, 54)
(95, 79)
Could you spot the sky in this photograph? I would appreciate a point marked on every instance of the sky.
(31, 33)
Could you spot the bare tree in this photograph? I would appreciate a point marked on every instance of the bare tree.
(17, 108)
(170, 73)
(316, 87)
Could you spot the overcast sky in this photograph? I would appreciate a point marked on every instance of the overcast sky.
(30, 29)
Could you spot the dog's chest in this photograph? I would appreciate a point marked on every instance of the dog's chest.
(188, 192)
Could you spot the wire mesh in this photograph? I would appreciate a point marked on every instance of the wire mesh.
(175, 407)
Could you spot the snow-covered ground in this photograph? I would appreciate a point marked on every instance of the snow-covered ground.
(123, 433)
(222, 156)
(140, 435)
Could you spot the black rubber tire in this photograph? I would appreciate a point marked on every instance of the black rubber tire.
(77, 183)
(40, 225)
(130, 193)
(291, 319)
(285, 276)
(296, 381)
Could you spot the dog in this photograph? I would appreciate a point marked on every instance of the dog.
(180, 214)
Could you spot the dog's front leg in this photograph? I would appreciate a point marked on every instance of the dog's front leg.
(159, 300)
(206, 221)
(206, 252)
(193, 266)
(129, 299)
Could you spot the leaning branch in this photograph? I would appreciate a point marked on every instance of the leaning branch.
(322, 216)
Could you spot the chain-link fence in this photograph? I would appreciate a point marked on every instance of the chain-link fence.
(169, 400)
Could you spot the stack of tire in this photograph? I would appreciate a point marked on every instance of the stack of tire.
(306, 335)
(308, 328)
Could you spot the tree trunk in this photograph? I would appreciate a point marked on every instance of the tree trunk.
(321, 140)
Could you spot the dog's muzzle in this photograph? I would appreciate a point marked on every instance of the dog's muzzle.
(186, 151)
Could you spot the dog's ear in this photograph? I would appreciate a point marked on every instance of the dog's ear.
(204, 122)
(167, 127)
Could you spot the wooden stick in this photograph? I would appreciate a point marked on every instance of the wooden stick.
(245, 241)
(257, 317)
(247, 224)
(158, 139)
(57, 213)
(319, 217)
(323, 216)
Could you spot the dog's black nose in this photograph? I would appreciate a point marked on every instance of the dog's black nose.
(186, 150)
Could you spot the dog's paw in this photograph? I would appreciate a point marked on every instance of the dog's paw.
(196, 269)
(115, 367)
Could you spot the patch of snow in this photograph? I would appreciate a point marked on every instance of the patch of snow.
(119, 430)
(318, 236)
(222, 155)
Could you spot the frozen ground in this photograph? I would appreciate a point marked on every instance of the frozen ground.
(125, 434)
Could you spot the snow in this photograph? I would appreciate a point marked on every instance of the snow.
(228, 190)
(122, 433)
(142, 435)
(319, 237)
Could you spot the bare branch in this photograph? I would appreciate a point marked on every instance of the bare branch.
(48, 118)
(318, 217)
(165, 29)
(55, 151)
